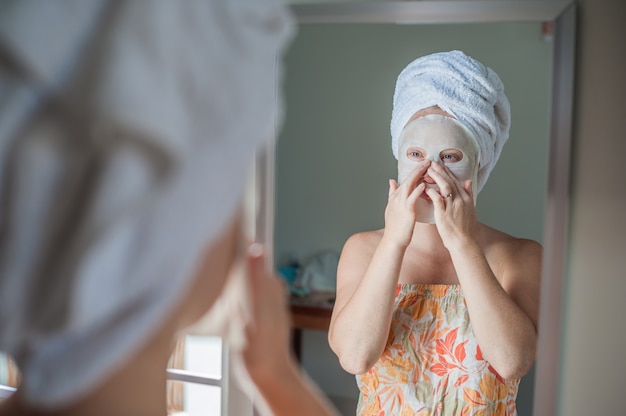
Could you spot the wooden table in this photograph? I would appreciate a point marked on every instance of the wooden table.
(310, 312)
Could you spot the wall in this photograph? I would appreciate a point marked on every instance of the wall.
(333, 166)
(595, 329)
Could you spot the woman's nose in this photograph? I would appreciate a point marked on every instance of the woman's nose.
(428, 179)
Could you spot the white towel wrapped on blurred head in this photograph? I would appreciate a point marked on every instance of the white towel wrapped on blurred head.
(126, 132)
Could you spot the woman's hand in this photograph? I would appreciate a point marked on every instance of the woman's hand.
(455, 213)
(267, 352)
(267, 355)
(400, 215)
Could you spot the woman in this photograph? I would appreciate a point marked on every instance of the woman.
(128, 130)
(436, 313)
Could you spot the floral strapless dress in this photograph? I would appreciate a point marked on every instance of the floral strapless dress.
(432, 364)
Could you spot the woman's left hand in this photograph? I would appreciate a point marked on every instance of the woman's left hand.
(455, 213)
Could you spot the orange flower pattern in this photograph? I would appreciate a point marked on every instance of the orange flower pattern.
(432, 364)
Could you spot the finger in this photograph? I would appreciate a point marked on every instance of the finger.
(262, 279)
(254, 266)
(446, 181)
(417, 192)
(436, 198)
(256, 262)
(468, 188)
(444, 172)
(415, 175)
(393, 185)
(443, 184)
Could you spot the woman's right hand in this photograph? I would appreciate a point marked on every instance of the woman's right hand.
(267, 352)
(400, 214)
(267, 356)
(367, 277)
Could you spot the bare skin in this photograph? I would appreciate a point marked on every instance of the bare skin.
(499, 275)
(269, 359)
(139, 387)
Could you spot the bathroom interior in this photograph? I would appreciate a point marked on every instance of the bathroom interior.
(332, 161)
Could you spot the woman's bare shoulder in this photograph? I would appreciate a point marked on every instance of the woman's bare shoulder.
(506, 250)
(365, 241)
(499, 240)
(360, 246)
(516, 263)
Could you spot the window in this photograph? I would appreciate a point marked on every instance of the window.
(196, 385)
(9, 376)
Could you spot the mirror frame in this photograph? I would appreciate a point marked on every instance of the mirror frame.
(562, 13)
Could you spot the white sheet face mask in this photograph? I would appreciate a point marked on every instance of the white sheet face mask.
(438, 139)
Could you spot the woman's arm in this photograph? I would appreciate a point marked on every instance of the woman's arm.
(504, 309)
(366, 285)
(503, 313)
(287, 392)
(267, 355)
(368, 272)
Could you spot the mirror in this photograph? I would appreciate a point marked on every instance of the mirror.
(333, 155)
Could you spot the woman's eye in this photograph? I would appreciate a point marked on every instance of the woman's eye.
(415, 154)
(452, 157)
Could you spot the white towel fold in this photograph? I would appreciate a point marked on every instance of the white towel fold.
(463, 87)
(126, 132)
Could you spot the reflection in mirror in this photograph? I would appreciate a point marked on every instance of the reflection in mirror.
(334, 159)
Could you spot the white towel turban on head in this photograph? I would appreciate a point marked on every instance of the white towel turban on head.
(463, 87)
(127, 129)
